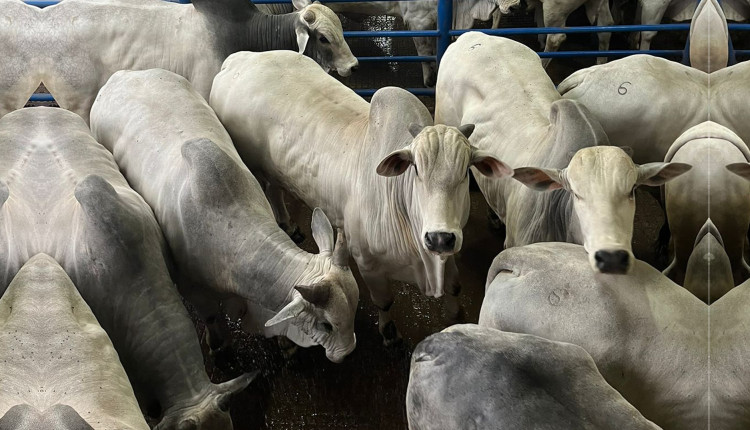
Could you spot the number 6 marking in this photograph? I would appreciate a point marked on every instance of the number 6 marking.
(621, 90)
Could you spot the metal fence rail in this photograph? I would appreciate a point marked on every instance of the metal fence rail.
(444, 33)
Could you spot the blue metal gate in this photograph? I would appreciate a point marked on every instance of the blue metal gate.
(444, 33)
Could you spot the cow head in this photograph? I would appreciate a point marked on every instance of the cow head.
(441, 157)
(322, 312)
(208, 411)
(320, 35)
(602, 182)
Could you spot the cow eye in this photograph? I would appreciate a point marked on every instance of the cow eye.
(323, 39)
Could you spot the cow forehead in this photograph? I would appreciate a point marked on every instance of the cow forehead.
(325, 19)
(441, 147)
(602, 166)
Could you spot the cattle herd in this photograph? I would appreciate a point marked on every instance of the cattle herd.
(162, 178)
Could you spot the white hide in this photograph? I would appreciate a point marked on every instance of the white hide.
(54, 352)
(216, 220)
(500, 86)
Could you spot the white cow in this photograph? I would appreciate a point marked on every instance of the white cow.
(64, 195)
(85, 41)
(468, 376)
(500, 86)
(647, 335)
(220, 228)
(708, 190)
(316, 138)
(417, 16)
(650, 338)
(646, 102)
(55, 353)
(19, 68)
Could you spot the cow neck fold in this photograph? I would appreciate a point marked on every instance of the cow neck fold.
(271, 32)
(266, 269)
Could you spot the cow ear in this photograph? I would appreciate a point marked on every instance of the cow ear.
(488, 165)
(301, 30)
(317, 294)
(655, 174)
(539, 179)
(301, 4)
(395, 163)
(322, 231)
(741, 169)
(233, 386)
(290, 311)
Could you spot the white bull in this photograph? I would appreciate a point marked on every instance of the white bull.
(19, 67)
(85, 41)
(500, 86)
(649, 337)
(316, 138)
(64, 195)
(708, 190)
(645, 102)
(49, 339)
(469, 376)
(417, 16)
(220, 228)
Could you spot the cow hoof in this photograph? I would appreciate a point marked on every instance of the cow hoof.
(293, 232)
(391, 336)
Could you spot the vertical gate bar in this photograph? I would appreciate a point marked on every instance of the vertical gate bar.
(444, 26)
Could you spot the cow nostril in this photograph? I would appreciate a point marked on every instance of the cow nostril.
(449, 239)
(440, 241)
(612, 261)
(355, 68)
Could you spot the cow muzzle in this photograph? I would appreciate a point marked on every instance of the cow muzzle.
(347, 69)
(440, 242)
(612, 261)
(337, 355)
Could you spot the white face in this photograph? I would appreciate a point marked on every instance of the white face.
(320, 33)
(440, 157)
(602, 182)
(323, 312)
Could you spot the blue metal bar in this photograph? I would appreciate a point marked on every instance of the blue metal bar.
(444, 26)
(41, 98)
(41, 3)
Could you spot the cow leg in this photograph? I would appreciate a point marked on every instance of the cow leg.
(600, 14)
(553, 18)
(651, 13)
(426, 47)
(539, 20)
(496, 18)
(382, 296)
(275, 196)
(453, 310)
